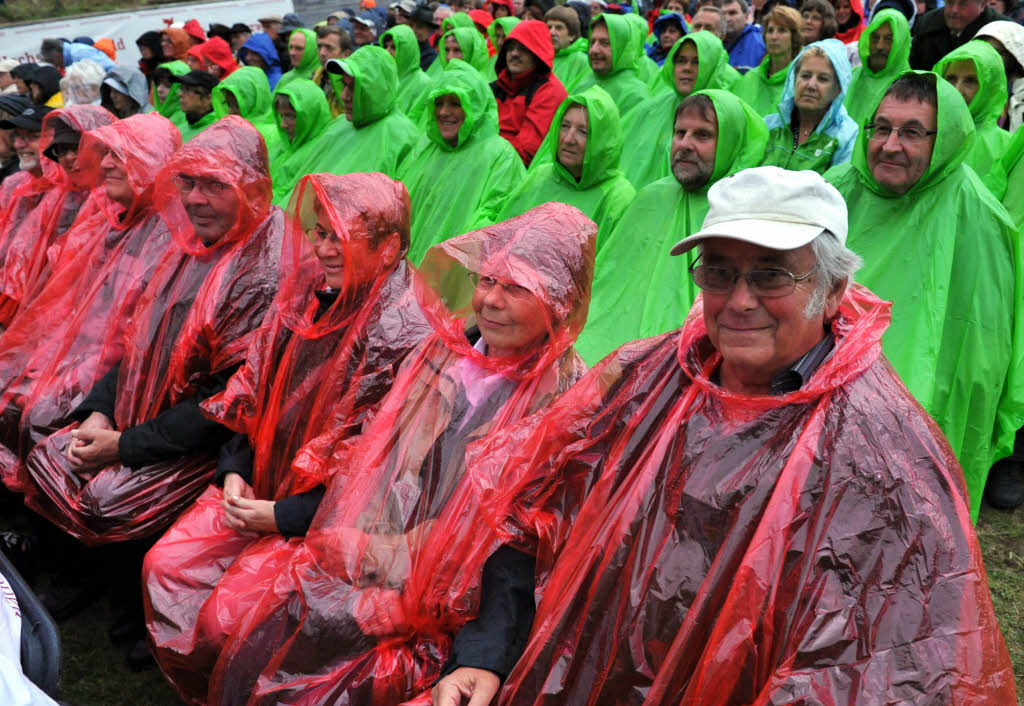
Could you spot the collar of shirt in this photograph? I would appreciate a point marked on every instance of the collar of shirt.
(793, 378)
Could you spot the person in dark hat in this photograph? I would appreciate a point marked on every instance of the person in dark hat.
(196, 99)
(10, 106)
(219, 30)
(421, 19)
(240, 33)
(44, 86)
(20, 74)
(151, 51)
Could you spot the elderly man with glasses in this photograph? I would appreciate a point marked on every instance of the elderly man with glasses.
(748, 509)
(937, 244)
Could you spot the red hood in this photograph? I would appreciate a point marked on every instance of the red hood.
(219, 52)
(534, 35)
(194, 29)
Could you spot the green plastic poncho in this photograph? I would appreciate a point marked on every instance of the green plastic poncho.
(472, 44)
(170, 108)
(831, 143)
(1006, 178)
(571, 64)
(646, 67)
(761, 91)
(724, 76)
(988, 103)
(412, 81)
(867, 85)
(449, 185)
(948, 256)
(290, 156)
(252, 93)
(622, 82)
(602, 192)
(379, 136)
(190, 130)
(650, 124)
(639, 289)
(459, 19)
(506, 24)
(310, 60)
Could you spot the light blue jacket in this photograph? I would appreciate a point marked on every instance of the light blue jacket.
(78, 52)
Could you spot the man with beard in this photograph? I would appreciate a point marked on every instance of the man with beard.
(637, 291)
(883, 48)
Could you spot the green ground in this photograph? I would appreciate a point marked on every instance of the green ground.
(95, 673)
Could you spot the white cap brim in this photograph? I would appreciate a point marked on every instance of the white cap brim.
(775, 235)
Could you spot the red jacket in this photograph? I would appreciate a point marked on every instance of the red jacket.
(527, 103)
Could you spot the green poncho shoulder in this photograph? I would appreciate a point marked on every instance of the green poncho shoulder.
(602, 192)
(290, 157)
(948, 256)
(649, 125)
(310, 60)
(449, 184)
(378, 137)
(759, 90)
(571, 64)
(169, 107)
(252, 94)
(639, 289)
(412, 81)
(471, 43)
(621, 82)
(1006, 178)
(867, 85)
(988, 102)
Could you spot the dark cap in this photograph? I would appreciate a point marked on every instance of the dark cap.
(240, 28)
(424, 14)
(63, 134)
(197, 78)
(29, 119)
(14, 104)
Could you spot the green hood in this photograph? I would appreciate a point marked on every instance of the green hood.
(952, 143)
(477, 102)
(579, 46)
(310, 60)
(407, 49)
(899, 55)
(459, 19)
(620, 34)
(473, 45)
(992, 95)
(507, 23)
(376, 83)
(604, 138)
(313, 115)
(746, 135)
(170, 106)
(250, 89)
(761, 91)
(713, 59)
(639, 33)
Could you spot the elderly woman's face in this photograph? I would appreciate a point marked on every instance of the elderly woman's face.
(511, 319)
(815, 85)
(760, 336)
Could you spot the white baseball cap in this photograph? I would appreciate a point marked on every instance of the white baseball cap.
(771, 207)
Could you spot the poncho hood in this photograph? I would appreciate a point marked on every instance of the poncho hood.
(955, 138)
(251, 91)
(1010, 34)
(992, 93)
(477, 101)
(742, 135)
(180, 41)
(376, 83)
(624, 46)
(532, 34)
(507, 24)
(473, 45)
(170, 105)
(218, 52)
(604, 139)
(712, 70)
(81, 119)
(310, 59)
(899, 55)
(312, 114)
(132, 82)
(836, 114)
(407, 49)
(263, 45)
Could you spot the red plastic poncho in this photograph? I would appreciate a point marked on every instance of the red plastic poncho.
(366, 609)
(196, 317)
(700, 547)
(107, 260)
(313, 366)
(26, 235)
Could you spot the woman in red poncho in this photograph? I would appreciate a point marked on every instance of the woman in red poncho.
(143, 451)
(326, 354)
(63, 190)
(365, 610)
(106, 261)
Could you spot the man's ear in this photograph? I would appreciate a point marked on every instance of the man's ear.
(834, 298)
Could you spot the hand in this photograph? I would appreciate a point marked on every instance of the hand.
(94, 444)
(249, 514)
(235, 485)
(477, 685)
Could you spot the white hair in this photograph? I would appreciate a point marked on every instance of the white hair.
(836, 264)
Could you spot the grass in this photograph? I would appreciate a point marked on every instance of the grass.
(34, 10)
(1002, 544)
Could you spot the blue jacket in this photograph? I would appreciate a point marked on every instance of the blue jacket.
(657, 54)
(748, 49)
(263, 45)
(79, 52)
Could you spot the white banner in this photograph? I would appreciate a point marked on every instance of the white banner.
(22, 42)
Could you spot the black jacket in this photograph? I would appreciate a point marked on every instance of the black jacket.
(932, 40)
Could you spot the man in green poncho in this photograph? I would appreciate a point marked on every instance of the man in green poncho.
(939, 246)
(196, 99)
(400, 41)
(696, 62)
(884, 48)
(372, 135)
(461, 165)
(333, 42)
(246, 93)
(301, 114)
(302, 51)
(166, 90)
(578, 164)
(613, 62)
(638, 290)
(467, 44)
(976, 71)
(571, 64)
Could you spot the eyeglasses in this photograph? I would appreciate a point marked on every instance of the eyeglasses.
(906, 135)
(762, 283)
(317, 234)
(211, 188)
(486, 284)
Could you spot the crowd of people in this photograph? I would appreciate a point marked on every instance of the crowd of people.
(521, 352)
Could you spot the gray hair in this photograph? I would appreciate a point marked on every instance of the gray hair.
(836, 263)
